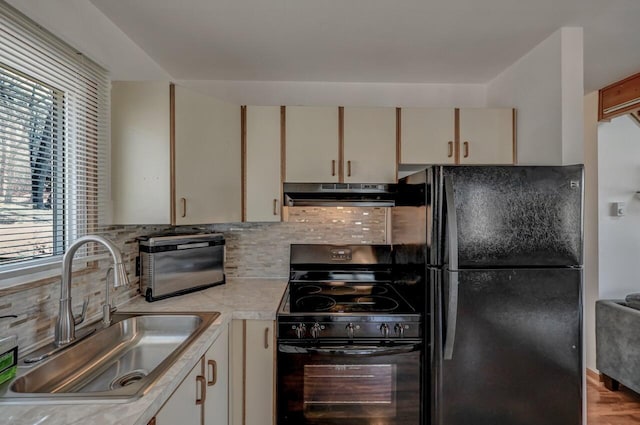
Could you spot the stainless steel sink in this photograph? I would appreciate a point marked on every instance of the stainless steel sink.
(118, 363)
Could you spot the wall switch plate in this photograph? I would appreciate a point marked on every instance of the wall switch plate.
(619, 209)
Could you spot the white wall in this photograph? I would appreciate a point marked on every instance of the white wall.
(344, 94)
(546, 87)
(618, 181)
(590, 225)
(83, 26)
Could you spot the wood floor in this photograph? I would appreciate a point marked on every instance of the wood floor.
(606, 407)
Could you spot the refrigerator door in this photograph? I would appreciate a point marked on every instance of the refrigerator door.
(509, 350)
(510, 217)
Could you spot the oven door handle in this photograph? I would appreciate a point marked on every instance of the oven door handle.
(350, 350)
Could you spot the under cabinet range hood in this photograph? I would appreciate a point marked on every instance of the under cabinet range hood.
(339, 194)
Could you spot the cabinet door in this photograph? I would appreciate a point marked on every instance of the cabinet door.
(427, 136)
(259, 370)
(312, 150)
(216, 363)
(486, 136)
(207, 159)
(263, 201)
(140, 130)
(181, 408)
(370, 145)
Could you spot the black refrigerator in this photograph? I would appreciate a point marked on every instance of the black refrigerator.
(502, 248)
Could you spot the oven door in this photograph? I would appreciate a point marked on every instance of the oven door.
(349, 384)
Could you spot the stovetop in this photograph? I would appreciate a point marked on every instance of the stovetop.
(345, 292)
(346, 297)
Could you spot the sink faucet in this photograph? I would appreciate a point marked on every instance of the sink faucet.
(66, 324)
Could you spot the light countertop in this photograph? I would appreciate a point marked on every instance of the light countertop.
(255, 299)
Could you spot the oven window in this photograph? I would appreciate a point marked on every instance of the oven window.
(349, 391)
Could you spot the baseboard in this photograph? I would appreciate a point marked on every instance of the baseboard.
(594, 375)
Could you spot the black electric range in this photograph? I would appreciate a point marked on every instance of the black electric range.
(350, 343)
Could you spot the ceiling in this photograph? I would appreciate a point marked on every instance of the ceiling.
(416, 41)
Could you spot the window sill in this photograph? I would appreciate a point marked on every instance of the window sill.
(29, 277)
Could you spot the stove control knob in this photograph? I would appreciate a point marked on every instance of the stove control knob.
(399, 330)
(350, 330)
(384, 330)
(301, 330)
(315, 331)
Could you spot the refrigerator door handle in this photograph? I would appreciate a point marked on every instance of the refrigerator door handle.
(452, 224)
(452, 302)
(452, 316)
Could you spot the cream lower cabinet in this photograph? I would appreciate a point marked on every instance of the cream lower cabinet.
(263, 186)
(185, 405)
(203, 396)
(216, 372)
(253, 372)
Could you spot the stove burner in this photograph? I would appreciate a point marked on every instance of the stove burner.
(315, 303)
(376, 303)
(309, 290)
(343, 290)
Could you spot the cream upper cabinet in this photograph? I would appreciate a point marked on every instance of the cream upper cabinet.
(207, 159)
(312, 144)
(140, 152)
(370, 145)
(486, 136)
(427, 136)
(263, 201)
(216, 367)
(205, 182)
(185, 405)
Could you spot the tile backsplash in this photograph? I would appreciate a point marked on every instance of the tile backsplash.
(253, 250)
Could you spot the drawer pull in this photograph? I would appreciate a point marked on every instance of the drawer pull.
(348, 168)
(275, 207)
(266, 338)
(213, 368)
(450, 152)
(203, 390)
(466, 149)
(184, 207)
(333, 167)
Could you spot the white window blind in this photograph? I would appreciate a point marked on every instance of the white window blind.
(54, 133)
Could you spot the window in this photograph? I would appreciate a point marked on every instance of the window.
(53, 143)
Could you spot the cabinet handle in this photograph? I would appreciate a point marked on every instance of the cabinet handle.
(213, 368)
(266, 338)
(466, 149)
(450, 152)
(184, 207)
(275, 207)
(203, 390)
(348, 168)
(333, 167)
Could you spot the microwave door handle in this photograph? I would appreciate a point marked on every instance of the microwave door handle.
(350, 350)
(452, 299)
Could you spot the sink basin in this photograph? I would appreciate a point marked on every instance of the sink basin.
(118, 363)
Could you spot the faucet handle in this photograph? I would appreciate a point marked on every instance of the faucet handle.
(79, 318)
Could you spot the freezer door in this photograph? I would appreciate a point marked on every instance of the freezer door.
(506, 216)
(510, 348)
